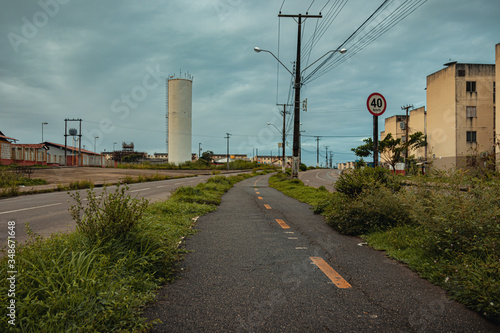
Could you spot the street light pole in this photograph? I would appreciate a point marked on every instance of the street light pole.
(227, 154)
(95, 138)
(43, 123)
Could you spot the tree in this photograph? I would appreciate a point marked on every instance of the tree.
(207, 157)
(391, 149)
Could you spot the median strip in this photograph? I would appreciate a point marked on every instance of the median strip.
(330, 273)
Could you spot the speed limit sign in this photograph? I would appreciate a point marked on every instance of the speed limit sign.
(376, 104)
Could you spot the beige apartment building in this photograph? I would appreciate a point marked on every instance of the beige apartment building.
(460, 114)
(396, 125)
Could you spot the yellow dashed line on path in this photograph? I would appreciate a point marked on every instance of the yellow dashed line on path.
(331, 273)
(282, 224)
(260, 198)
(267, 206)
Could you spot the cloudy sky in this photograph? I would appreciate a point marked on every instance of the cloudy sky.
(106, 62)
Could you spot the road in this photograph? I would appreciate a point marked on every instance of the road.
(48, 213)
(263, 262)
(320, 177)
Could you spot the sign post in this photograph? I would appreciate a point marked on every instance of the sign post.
(376, 104)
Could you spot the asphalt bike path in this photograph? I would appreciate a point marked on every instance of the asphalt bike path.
(263, 262)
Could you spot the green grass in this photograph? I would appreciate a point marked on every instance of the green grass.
(295, 188)
(9, 182)
(76, 283)
(447, 235)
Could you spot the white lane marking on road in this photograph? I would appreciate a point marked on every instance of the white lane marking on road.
(98, 197)
(144, 189)
(301, 248)
(30, 208)
(178, 184)
(163, 186)
(289, 232)
(293, 237)
(317, 173)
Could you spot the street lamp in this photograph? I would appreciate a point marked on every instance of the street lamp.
(95, 138)
(44, 123)
(258, 50)
(114, 143)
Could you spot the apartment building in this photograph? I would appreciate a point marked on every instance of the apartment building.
(396, 126)
(461, 114)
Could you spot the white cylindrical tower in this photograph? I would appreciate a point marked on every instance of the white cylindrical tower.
(179, 119)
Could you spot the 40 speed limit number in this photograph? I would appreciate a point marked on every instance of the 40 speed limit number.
(376, 104)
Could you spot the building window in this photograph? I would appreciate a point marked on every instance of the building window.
(461, 72)
(471, 136)
(471, 86)
(471, 112)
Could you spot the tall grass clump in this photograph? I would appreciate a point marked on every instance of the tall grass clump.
(109, 216)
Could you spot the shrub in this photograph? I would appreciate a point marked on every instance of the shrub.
(460, 222)
(353, 183)
(81, 184)
(106, 217)
(373, 209)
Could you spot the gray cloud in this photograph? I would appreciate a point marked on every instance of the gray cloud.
(105, 62)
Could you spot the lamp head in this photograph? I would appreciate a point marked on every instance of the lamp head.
(257, 49)
(343, 51)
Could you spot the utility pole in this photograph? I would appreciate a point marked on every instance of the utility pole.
(407, 127)
(227, 154)
(283, 162)
(326, 165)
(317, 151)
(298, 83)
(199, 150)
(331, 159)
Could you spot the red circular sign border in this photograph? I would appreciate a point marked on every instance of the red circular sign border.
(368, 104)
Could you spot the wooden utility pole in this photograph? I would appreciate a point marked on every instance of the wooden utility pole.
(407, 127)
(298, 83)
(283, 137)
(317, 151)
(326, 147)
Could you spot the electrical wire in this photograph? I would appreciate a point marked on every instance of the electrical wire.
(282, 5)
(389, 21)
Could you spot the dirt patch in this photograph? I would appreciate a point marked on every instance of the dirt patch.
(66, 175)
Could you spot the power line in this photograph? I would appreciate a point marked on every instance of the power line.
(394, 17)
